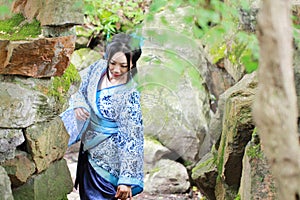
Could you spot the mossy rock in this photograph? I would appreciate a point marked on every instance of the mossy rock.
(17, 28)
(61, 85)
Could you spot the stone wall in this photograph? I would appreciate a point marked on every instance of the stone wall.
(33, 93)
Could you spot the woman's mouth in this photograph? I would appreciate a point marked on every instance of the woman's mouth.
(116, 75)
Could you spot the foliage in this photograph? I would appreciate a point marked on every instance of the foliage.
(110, 17)
(217, 24)
(17, 28)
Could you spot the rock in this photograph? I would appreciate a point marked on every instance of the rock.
(20, 168)
(47, 141)
(29, 8)
(5, 189)
(84, 57)
(3, 50)
(66, 12)
(237, 129)
(9, 140)
(51, 12)
(20, 111)
(218, 80)
(45, 57)
(175, 103)
(58, 31)
(257, 181)
(296, 64)
(53, 184)
(153, 152)
(167, 177)
(205, 175)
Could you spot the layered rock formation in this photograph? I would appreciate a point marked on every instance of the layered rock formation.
(33, 91)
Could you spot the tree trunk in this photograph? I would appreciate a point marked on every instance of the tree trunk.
(275, 107)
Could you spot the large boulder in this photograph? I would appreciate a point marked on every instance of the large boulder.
(237, 129)
(174, 101)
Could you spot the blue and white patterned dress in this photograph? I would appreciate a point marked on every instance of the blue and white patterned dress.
(113, 135)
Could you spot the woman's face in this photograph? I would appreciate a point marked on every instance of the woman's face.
(118, 65)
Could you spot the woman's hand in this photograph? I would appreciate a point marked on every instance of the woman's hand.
(81, 114)
(124, 192)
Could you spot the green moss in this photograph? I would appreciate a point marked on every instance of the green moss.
(254, 150)
(187, 163)
(153, 139)
(221, 160)
(206, 163)
(238, 197)
(218, 52)
(17, 28)
(154, 170)
(61, 85)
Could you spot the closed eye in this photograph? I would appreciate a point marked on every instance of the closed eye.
(114, 63)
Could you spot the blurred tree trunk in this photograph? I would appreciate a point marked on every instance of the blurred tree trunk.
(275, 107)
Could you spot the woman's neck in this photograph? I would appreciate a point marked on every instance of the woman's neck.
(109, 82)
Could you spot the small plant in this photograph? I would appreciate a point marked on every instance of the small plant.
(254, 151)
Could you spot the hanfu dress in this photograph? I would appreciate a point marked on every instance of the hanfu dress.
(112, 141)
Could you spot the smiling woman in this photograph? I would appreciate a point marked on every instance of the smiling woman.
(105, 114)
(117, 70)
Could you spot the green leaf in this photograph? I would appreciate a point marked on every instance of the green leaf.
(250, 64)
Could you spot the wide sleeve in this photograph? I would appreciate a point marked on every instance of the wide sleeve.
(131, 144)
(74, 126)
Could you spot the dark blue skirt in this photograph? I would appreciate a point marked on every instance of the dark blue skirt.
(91, 185)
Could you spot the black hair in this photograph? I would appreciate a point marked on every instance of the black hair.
(129, 46)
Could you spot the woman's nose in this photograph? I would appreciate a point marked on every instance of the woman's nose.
(117, 68)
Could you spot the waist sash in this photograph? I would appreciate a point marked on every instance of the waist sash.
(102, 127)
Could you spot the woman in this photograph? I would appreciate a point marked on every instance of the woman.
(105, 115)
